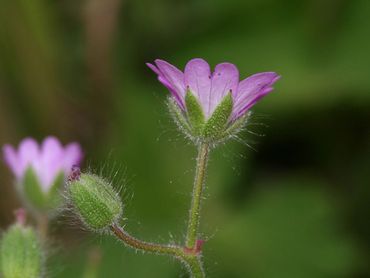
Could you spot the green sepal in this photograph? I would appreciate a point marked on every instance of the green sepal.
(217, 123)
(95, 201)
(195, 113)
(235, 127)
(54, 196)
(21, 254)
(179, 116)
(36, 196)
(33, 192)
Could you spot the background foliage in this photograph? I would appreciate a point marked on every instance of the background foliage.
(294, 204)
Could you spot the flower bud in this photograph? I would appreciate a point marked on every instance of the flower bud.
(94, 200)
(20, 253)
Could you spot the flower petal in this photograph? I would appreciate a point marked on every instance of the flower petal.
(225, 78)
(252, 89)
(28, 154)
(11, 159)
(179, 99)
(153, 68)
(170, 75)
(51, 161)
(198, 78)
(72, 156)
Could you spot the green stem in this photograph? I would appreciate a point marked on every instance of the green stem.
(191, 260)
(135, 243)
(194, 215)
(195, 266)
(188, 255)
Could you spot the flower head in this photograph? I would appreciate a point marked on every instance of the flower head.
(211, 89)
(41, 169)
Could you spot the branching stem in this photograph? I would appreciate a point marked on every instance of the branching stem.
(190, 260)
(190, 254)
(145, 246)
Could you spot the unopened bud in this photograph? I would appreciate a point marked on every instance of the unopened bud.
(21, 254)
(95, 201)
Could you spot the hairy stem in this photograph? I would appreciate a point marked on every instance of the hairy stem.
(190, 254)
(195, 266)
(145, 246)
(194, 215)
(190, 260)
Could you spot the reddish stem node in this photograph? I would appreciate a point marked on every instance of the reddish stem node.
(197, 249)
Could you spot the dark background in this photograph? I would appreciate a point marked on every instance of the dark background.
(291, 199)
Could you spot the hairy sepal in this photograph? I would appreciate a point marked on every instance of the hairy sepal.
(234, 128)
(179, 117)
(195, 114)
(217, 129)
(217, 123)
(39, 199)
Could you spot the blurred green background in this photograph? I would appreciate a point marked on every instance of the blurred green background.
(292, 199)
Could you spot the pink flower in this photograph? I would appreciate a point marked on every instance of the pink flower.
(211, 88)
(47, 161)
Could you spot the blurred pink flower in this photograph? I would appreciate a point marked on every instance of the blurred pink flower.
(211, 88)
(47, 161)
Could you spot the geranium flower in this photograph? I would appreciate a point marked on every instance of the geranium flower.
(41, 169)
(211, 88)
(211, 102)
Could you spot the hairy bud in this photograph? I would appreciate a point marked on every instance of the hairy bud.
(21, 254)
(95, 201)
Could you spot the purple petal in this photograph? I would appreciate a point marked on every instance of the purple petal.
(167, 84)
(11, 159)
(252, 89)
(225, 78)
(51, 161)
(72, 156)
(198, 78)
(179, 99)
(173, 77)
(28, 154)
(153, 68)
(48, 161)
(172, 74)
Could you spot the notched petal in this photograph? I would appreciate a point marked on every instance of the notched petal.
(225, 79)
(198, 78)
